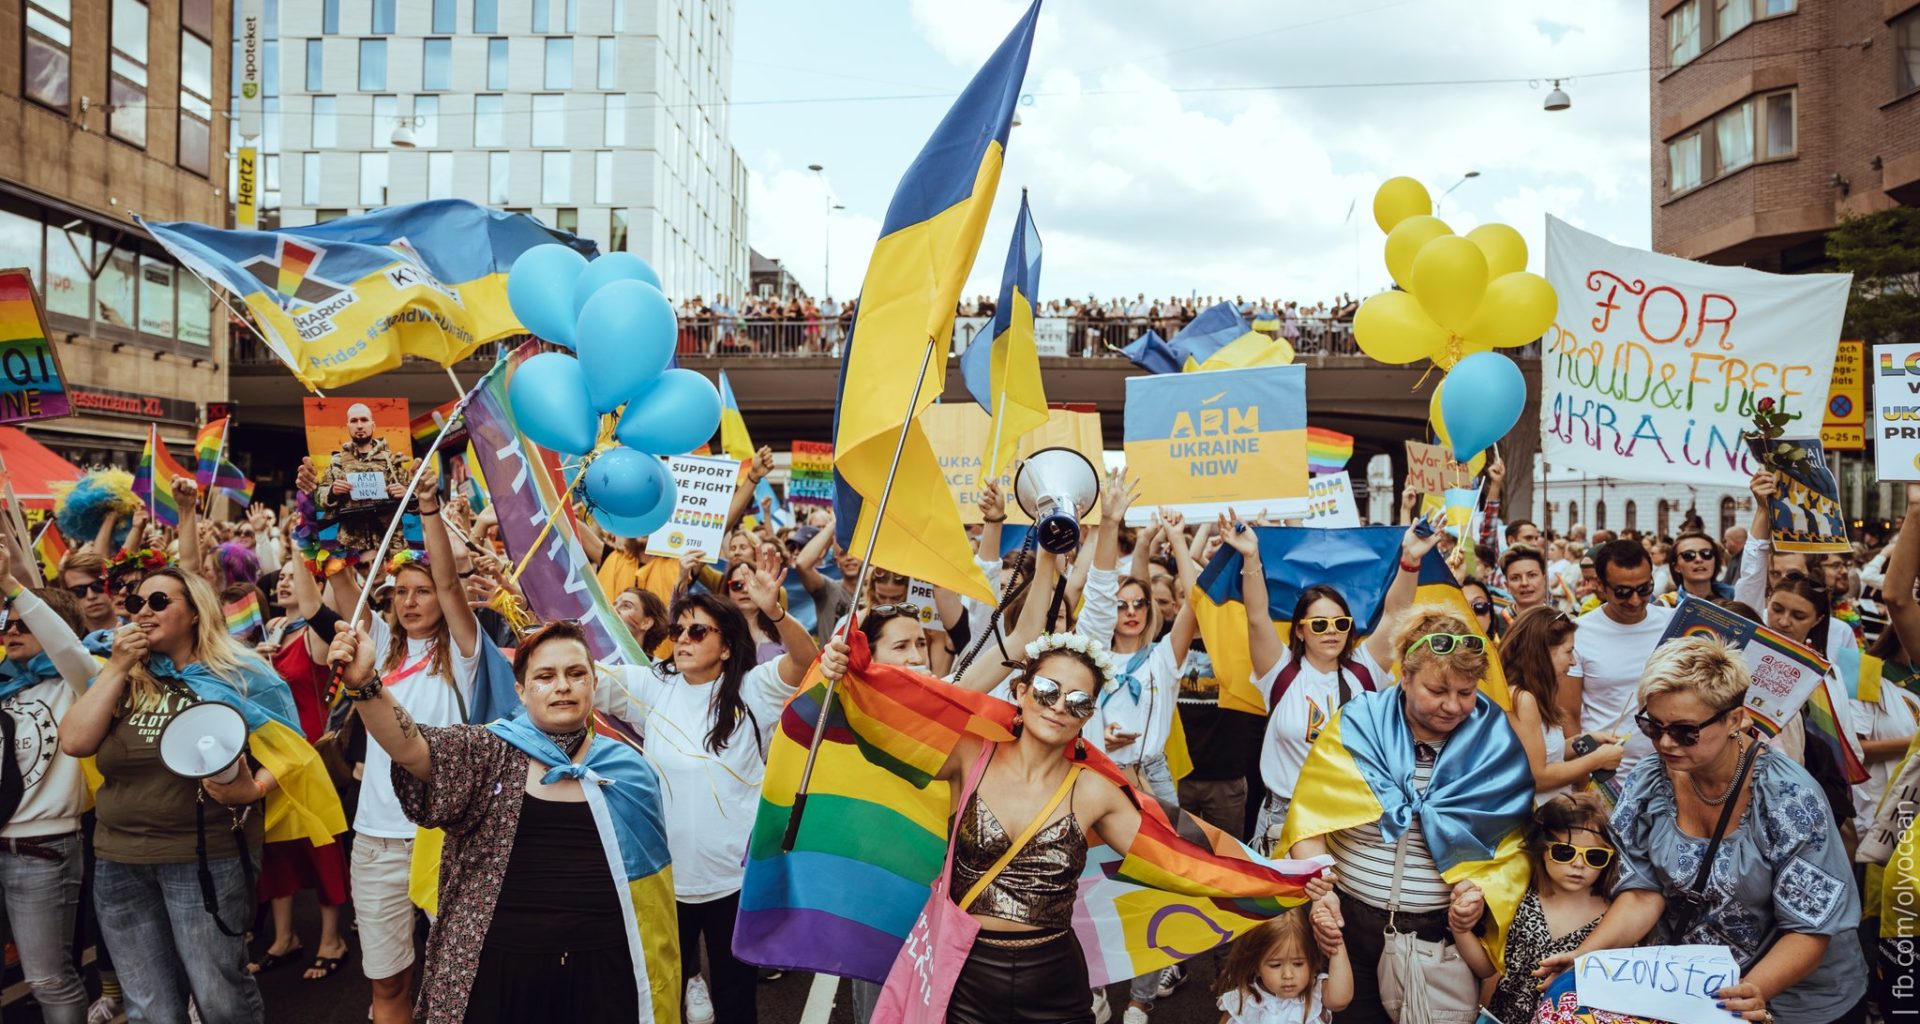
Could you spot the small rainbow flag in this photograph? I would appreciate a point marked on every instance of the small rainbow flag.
(429, 423)
(243, 615)
(153, 479)
(1328, 450)
(51, 547)
(212, 468)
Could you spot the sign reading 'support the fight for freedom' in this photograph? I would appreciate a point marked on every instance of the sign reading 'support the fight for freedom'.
(1653, 367)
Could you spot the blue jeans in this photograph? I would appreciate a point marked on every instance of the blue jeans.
(167, 947)
(40, 898)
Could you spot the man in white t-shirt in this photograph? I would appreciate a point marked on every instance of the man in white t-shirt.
(1611, 647)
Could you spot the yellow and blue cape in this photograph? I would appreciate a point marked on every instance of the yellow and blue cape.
(1473, 813)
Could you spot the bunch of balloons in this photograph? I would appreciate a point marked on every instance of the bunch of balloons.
(622, 330)
(1462, 297)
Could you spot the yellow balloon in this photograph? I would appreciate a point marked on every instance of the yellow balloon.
(1391, 328)
(1439, 426)
(1505, 250)
(1516, 309)
(1449, 279)
(1398, 199)
(1404, 243)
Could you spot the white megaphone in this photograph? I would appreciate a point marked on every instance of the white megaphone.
(1057, 487)
(204, 742)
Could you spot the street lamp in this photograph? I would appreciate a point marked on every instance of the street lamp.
(402, 137)
(1469, 176)
(826, 233)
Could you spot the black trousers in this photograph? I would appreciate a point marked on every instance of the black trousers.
(522, 987)
(1365, 932)
(732, 984)
(1040, 984)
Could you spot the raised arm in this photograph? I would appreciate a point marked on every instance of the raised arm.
(1263, 642)
(1406, 581)
(764, 587)
(1903, 565)
(810, 555)
(187, 494)
(993, 514)
(462, 624)
(103, 539)
(756, 471)
(76, 666)
(987, 670)
(1751, 586)
(386, 721)
(85, 725)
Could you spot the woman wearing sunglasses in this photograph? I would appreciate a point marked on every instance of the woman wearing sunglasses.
(1696, 570)
(1536, 654)
(1322, 665)
(706, 717)
(1777, 887)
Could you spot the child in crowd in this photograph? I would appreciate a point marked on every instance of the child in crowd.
(1573, 867)
(1277, 974)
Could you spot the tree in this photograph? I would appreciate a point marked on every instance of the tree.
(1882, 251)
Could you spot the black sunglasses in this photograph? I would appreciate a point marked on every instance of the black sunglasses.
(158, 602)
(1643, 590)
(1134, 606)
(695, 632)
(1695, 555)
(1796, 576)
(1684, 734)
(737, 586)
(1046, 693)
(83, 589)
(14, 624)
(1482, 607)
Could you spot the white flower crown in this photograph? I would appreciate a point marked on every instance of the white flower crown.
(1079, 643)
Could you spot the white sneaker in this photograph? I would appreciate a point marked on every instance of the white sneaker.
(1102, 1013)
(104, 1010)
(1171, 978)
(1134, 1015)
(699, 1004)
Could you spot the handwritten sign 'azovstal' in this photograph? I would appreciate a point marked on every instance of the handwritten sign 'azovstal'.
(1670, 983)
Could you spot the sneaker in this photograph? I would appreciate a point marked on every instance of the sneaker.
(772, 974)
(1102, 1013)
(1171, 978)
(699, 1004)
(104, 1010)
(1134, 1015)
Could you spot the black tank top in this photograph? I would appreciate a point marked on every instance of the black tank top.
(558, 892)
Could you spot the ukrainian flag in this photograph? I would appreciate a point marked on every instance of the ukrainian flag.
(1473, 813)
(927, 245)
(734, 439)
(1004, 376)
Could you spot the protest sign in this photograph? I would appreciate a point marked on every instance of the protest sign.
(959, 432)
(1655, 363)
(1678, 984)
(1784, 673)
(332, 422)
(31, 385)
(1804, 513)
(1431, 469)
(1331, 504)
(810, 475)
(1845, 427)
(702, 497)
(920, 599)
(1896, 411)
(1204, 442)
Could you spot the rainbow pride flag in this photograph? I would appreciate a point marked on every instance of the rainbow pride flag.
(874, 835)
(211, 467)
(32, 388)
(428, 423)
(153, 479)
(51, 547)
(1328, 450)
(243, 615)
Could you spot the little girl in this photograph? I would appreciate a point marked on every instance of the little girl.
(1573, 867)
(1277, 974)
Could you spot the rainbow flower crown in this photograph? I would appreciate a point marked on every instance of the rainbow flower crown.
(1079, 643)
(405, 557)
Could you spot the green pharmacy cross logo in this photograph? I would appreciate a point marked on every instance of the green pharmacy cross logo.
(250, 90)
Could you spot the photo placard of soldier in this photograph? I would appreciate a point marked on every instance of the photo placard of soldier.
(361, 450)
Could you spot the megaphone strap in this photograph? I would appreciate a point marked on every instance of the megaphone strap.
(209, 897)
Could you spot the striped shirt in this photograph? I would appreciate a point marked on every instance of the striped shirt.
(1364, 859)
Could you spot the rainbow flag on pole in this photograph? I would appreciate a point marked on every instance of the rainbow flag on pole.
(153, 479)
(243, 615)
(211, 467)
(1328, 450)
(51, 547)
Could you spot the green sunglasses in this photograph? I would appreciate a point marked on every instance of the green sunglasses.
(1447, 643)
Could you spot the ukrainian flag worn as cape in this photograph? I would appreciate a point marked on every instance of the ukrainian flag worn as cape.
(303, 804)
(1472, 814)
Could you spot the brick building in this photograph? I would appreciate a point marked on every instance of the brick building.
(1774, 119)
(109, 110)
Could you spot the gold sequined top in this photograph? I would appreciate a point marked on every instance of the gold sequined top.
(1037, 887)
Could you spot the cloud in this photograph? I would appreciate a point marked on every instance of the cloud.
(787, 220)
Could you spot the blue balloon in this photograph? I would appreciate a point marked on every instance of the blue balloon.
(675, 414)
(644, 523)
(614, 266)
(540, 291)
(625, 337)
(549, 398)
(625, 482)
(1482, 400)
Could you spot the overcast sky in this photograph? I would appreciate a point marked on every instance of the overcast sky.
(1199, 146)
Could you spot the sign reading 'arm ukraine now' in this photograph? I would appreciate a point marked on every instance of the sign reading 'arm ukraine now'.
(1204, 442)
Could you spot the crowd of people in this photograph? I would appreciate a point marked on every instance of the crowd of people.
(1648, 805)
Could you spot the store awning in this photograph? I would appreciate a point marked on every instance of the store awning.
(33, 468)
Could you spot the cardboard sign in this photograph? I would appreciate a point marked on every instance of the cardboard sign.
(702, 496)
(1205, 442)
(1331, 501)
(1431, 469)
(1784, 673)
(31, 384)
(1678, 984)
(959, 432)
(1805, 509)
(920, 596)
(1845, 428)
(810, 474)
(330, 424)
(1896, 411)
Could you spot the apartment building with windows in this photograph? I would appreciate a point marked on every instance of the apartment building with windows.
(1774, 119)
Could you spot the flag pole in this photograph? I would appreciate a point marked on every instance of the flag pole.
(13, 501)
(799, 807)
(999, 426)
(153, 464)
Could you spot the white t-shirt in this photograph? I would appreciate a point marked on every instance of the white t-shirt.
(1305, 709)
(431, 699)
(1151, 716)
(1607, 659)
(1891, 718)
(1266, 1008)
(55, 787)
(711, 799)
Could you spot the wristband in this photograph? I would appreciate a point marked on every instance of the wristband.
(363, 693)
(782, 618)
(1404, 567)
(991, 522)
(15, 589)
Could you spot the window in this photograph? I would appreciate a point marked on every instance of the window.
(1758, 128)
(556, 177)
(603, 177)
(1683, 164)
(617, 230)
(541, 12)
(496, 64)
(609, 70)
(330, 17)
(316, 66)
(619, 15)
(1633, 515)
(326, 123)
(439, 175)
(1733, 138)
(549, 119)
(127, 77)
(1683, 33)
(373, 65)
(373, 179)
(386, 117)
(1730, 16)
(323, 216)
(567, 219)
(196, 99)
(310, 179)
(113, 292)
(20, 239)
(195, 321)
(616, 121)
(498, 167)
(559, 64)
(1906, 54)
(426, 121)
(489, 121)
(573, 15)
(156, 297)
(1777, 127)
(382, 17)
(443, 16)
(69, 283)
(486, 15)
(1726, 514)
(1769, 8)
(436, 65)
(49, 64)
(1662, 516)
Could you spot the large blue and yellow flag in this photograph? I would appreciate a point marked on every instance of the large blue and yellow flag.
(734, 439)
(1151, 353)
(1004, 376)
(919, 266)
(1473, 813)
(1213, 329)
(344, 300)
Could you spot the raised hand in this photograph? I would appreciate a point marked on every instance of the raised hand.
(993, 505)
(129, 646)
(765, 581)
(1234, 533)
(1118, 496)
(352, 652)
(307, 479)
(835, 658)
(185, 491)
